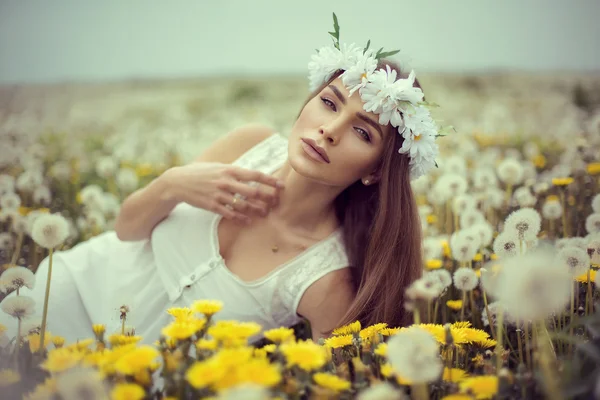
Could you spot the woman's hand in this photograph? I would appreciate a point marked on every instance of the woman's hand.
(214, 186)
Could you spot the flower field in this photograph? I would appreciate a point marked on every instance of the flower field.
(507, 307)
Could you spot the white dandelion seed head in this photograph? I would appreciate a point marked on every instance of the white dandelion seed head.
(19, 307)
(465, 279)
(29, 180)
(506, 244)
(7, 216)
(494, 309)
(437, 196)
(592, 223)
(455, 165)
(20, 224)
(490, 275)
(463, 203)
(593, 246)
(493, 198)
(462, 246)
(381, 391)
(245, 391)
(424, 288)
(484, 178)
(10, 201)
(524, 198)
(95, 219)
(552, 210)
(7, 182)
(31, 217)
(421, 185)
(452, 184)
(61, 171)
(7, 241)
(534, 285)
(110, 205)
(106, 167)
(540, 187)
(529, 171)
(92, 197)
(413, 354)
(530, 150)
(525, 222)
(42, 195)
(471, 217)
(432, 248)
(596, 203)
(50, 230)
(443, 276)
(561, 243)
(485, 232)
(81, 383)
(19, 277)
(575, 260)
(577, 241)
(127, 180)
(510, 171)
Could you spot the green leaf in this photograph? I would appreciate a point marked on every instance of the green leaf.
(389, 53)
(367, 48)
(336, 26)
(378, 52)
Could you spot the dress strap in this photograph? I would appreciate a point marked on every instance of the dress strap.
(265, 156)
(293, 282)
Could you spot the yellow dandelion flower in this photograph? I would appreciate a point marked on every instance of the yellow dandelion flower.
(454, 304)
(259, 372)
(476, 336)
(478, 257)
(478, 360)
(552, 197)
(81, 345)
(233, 333)
(144, 169)
(234, 356)
(593, 168)
(487, 343)
(207, 307)
(330, 381)
(138, 359)
(204, 373)
(457, 396)
(483, 387)
(307, 355)
(446, 249)
(381, 350)
(431, 219)
(8, 377)
(181, 312)
(369, 332)
(279, 335)
(583, 278)
(562, 181)
(539, 161)
(117, 339)
(461, 324)
(386, 370)
(335, 342)
(270, 348)
(2, 329)
(183, 329)
(349, 329)
(494, 256)
(60, 360)
(99, 329)
(206, 344)
(389, 331)
(34, 341)
(434, 263)
(454, 374)
(127, 391)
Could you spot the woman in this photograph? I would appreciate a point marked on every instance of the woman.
(322, 226)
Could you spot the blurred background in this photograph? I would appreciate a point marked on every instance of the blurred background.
(179, 74)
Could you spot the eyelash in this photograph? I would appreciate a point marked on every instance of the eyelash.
(366, 135)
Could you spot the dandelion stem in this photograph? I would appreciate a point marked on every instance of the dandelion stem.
(489, 316)
(551, 381)
(500, 321)
(588, 292)
(15, 256)
(18, 345)
(527, 345)
(46, 298)
(572, 314)
(520, 344)
(421, 391)
(435, 310)
(417, 316)
(462, 308)
(564, 214)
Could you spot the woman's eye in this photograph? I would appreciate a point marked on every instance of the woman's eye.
(328, 102)
(364, 134)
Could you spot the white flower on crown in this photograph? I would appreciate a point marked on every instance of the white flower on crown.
(357, 76)
(328, 60)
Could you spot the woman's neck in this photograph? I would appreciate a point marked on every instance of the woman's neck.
(305, 203)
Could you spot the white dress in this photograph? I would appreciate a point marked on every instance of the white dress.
(181, 263)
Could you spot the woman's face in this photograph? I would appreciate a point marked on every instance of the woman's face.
(351, 138)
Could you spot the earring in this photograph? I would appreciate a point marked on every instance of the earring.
(366, 181)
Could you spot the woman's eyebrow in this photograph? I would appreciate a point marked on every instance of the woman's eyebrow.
(368, 120)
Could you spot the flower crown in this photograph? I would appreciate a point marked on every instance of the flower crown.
(396, 101)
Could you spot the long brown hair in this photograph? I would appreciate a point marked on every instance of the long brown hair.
(382, 234)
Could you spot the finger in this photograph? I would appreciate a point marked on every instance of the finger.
(256, 176)
(232, 214)
(242, 206)
(264, 193)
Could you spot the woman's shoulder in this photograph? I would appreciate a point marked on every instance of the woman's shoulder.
(231, 146)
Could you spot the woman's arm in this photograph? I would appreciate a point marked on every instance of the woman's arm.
(145, 208)
(326, 301)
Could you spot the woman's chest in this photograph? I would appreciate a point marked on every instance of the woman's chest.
(252, 252)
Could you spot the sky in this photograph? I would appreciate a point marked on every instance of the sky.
(114, 40)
